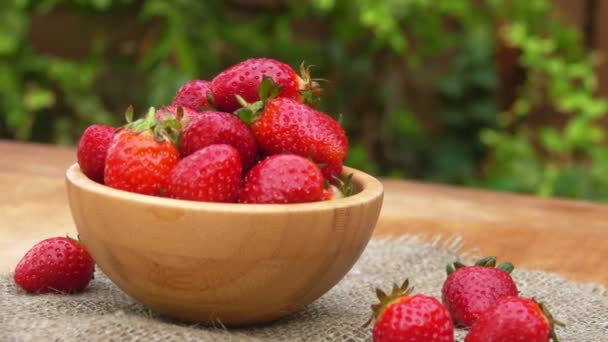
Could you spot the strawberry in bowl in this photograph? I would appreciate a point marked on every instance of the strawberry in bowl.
(232, 204)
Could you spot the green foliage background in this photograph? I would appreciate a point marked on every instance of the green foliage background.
(415, 80)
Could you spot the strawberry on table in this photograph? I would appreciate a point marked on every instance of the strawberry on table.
(244, 79)
(57, 264)
(283, 178)
(283, 125)
(219, 128)
(211, 174)
(469, 291)
(92, 150)
(401, 316)
(140, 157)
(194, 94)
(514, 319)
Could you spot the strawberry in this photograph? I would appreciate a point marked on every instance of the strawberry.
(140, 157)
(401, 316)
(57, 264)
(514, 319)
(244, 79)
(283, 178)
(92, 150)
(219, 128)
(211, 174)
(172, 112)
(283, 125)
(469, 291)
(194, 94)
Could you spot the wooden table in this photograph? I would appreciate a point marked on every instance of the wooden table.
(563, 236)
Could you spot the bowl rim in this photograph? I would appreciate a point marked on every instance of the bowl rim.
(371, 189)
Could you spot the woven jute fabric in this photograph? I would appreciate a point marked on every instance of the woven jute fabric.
(104, 313)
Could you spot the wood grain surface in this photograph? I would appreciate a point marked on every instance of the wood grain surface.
(562, 236)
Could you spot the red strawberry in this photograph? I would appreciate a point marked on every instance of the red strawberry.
(193, 94)
(514, 319)
(57, 264)
(92, 150)
(287, 126)
(211, 174)
(283, 178)
(219, 128)
(141, 157)
(245, 78)
(401, 316)
(470, 290)
(171, 112)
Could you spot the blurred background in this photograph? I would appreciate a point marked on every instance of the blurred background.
(499, 94)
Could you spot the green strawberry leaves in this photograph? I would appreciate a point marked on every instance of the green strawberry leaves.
(309, 87)
(163, 129)
(552, 321)
(506, 266)
(269, 89)
(484, 262)
(453, 267)
(386, 299)
(249, 112)
(345, 185)
(129, 114)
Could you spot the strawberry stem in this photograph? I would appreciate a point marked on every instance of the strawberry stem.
(309, 87)
(129, 114)
(250, 111)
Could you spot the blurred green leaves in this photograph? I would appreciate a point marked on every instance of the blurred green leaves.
(416, 81)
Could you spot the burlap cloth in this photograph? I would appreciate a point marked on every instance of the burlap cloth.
(104, 313)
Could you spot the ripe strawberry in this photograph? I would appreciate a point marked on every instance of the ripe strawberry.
(287, 126)
(57, 264)
(219, 128)
(244, 79)
(140, 157)
(92, 150)
(211, 174)
(514, 319)
(283, 178)
(401, 316)
(194, 94)
(172, 112)
(470, 290)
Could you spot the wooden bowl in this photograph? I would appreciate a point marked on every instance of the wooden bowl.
(233, 263)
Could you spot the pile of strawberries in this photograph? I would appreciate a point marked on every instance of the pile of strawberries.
(251, 135)
(482, 298)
